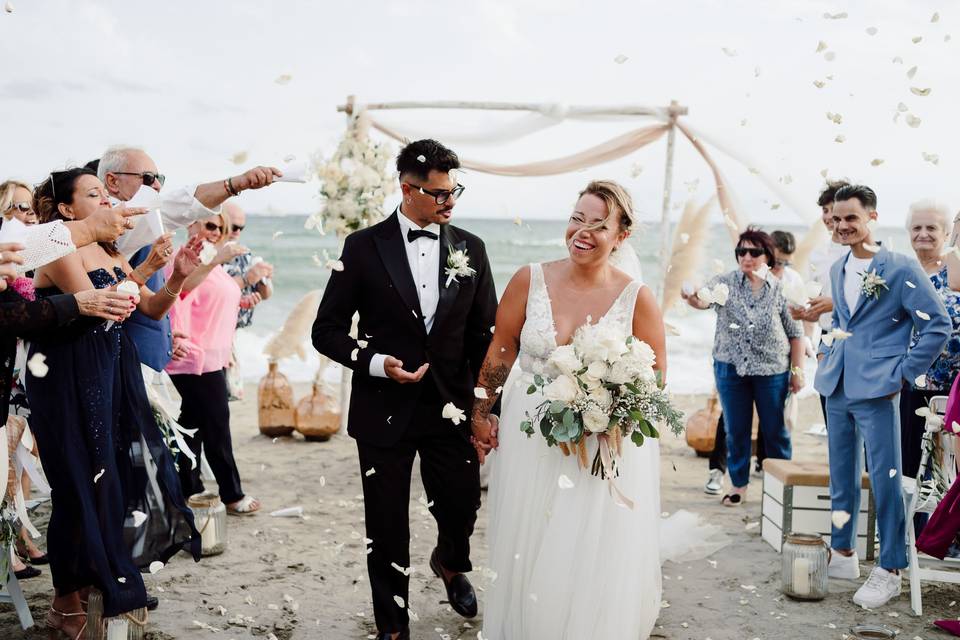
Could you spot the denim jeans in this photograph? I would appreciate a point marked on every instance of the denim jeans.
(738, 394)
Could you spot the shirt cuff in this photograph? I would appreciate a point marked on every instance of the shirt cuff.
(377, 369)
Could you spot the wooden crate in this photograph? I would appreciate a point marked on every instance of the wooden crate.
(796, 498)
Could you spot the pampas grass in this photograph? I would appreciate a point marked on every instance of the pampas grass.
(686, 257)
(296, 329)
(815, 236)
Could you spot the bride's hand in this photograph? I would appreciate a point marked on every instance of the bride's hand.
(484, 437)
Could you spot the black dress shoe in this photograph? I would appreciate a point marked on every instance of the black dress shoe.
(27, 572)
(460, 592)
(386, 635)
(152, 603)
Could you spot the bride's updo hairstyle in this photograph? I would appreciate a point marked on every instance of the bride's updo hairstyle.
(618, 201)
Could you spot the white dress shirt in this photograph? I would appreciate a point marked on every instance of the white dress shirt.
(821, 259)
(178, 208)
(423, 256)
(853, 279)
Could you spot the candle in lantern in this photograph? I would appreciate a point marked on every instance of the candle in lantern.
(801, 576)
(117, 629)
(208, 534)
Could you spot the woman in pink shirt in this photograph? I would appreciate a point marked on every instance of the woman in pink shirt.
(207, 313)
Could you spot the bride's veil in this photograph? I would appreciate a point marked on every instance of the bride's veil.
(626, 259)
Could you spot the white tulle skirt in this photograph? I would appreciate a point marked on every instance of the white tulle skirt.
(569, 562)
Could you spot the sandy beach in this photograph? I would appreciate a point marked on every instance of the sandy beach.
(306, 578)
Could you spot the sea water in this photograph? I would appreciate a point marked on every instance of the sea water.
(282, 241)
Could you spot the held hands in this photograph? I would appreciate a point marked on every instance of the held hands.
(394, 370)
(106, 303)
(484, 439)
(256, 178)
(188, 257)
(109, 223)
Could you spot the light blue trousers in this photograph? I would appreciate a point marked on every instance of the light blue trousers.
(876, 424)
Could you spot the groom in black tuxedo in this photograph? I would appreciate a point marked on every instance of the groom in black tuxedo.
(424, 330)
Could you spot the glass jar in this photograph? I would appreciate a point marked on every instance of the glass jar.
(210, 518)
(804, 566)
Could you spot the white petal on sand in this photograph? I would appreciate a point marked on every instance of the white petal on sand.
(97, 477)
(323, 481)
(288, 512)
(564, 482)
(917, 91)
(480, 393)
(839, 518)
(399, 601)
(893, 473)
(139, 517)
(156, 565)
(751, 525)
(37, 364)
(369, 472)
(620, 59)
(922, 315)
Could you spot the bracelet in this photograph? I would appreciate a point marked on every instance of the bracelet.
(172, 294)
(797, 371)
(228, 185)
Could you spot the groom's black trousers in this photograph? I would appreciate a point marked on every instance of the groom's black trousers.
(451, 477)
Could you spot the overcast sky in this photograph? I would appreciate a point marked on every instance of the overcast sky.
(194, 84)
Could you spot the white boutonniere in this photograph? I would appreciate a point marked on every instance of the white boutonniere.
(871, 284)
(458, 265)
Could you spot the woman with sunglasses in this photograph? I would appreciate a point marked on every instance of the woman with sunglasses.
(99, 443)
(758, 355)
(16, 201)
(207, 313)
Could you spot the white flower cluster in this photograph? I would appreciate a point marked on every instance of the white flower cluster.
(717, 295)
(354, 183)
(798, 294)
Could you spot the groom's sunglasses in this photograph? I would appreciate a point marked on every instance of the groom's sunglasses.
(753, 251)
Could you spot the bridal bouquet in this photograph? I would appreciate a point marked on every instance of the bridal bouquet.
(602, 385)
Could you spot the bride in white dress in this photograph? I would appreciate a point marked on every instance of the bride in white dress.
(570, 562)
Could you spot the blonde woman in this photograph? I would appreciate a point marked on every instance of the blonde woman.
(207, 313)
(16, 201)
(552, 548)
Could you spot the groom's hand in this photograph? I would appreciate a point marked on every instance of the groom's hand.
(394, 370)
(484, 437)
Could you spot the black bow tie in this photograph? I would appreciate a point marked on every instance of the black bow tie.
(413, 234)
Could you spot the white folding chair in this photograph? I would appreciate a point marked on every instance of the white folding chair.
(939, 455)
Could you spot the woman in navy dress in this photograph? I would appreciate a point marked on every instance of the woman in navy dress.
(98, 440)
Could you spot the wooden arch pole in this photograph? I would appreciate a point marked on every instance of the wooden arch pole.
(675, 111)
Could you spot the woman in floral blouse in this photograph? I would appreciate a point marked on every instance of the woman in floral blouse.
(757, 352)
(928, 224)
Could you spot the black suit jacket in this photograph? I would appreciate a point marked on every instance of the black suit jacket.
(376, 283)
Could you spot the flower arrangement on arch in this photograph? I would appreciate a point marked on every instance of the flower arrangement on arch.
(354, 182)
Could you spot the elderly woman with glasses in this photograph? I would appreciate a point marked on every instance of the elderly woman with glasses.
(758, 354)
(928, 224)
(207, 312)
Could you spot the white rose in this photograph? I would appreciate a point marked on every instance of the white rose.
(601, 396)
(595, 420)
(720, 293)
(598, 370)
(706, 295)
(645, 357)
(620, 373)
(563, 389)
(563, 360)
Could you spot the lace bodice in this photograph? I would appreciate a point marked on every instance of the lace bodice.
(538, 337)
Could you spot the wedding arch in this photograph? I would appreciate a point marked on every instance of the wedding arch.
(540, 116)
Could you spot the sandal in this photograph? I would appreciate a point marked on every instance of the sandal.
(246, 506)
(732, 500)
(57, 620)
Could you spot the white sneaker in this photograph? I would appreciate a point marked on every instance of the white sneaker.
(880, 587)
(843, 567)
(714, 486)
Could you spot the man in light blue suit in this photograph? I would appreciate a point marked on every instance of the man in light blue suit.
(880, 299)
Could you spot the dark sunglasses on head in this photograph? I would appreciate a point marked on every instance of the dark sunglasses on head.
(148, 177)
(753, 251)
(22, 207)
(238, 227)
(213, 226)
